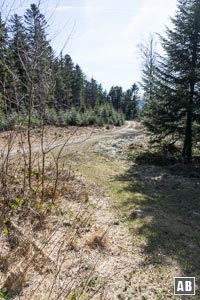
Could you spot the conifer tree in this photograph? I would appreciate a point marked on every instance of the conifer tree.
(173, 112)
(39, 56)
(130, 104)
(78, 83)
(63, 67)
(48, 89)
(5, 72)
(19, 48)
(149, 57)
(116, 97)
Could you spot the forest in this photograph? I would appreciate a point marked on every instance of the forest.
(57, 88)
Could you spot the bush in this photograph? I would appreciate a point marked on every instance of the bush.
(51, 116)
(103, 114)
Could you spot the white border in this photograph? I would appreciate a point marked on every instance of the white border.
(184, 294)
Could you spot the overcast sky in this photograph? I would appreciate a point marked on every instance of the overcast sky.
(102, 35)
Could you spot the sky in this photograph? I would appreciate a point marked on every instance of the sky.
(102, 35)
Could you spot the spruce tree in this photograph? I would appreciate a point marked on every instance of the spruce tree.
(40, 54)
(130, 106)
(19, 48)
(149, 57)
(173, 112)
(93, 93)
(78, 83)
(116, 97)
(6, 75)
(33, 81)
(63, 67)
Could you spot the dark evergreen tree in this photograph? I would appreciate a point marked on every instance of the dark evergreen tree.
(102, 95)
(115, 96)
(78, 83)
(68, 79)
(19, 48)
(63, 67)
(92, 93)
(173, 112)
(39, 56)
(149, 58)
(130, 108)
(41, 89)
(6, 74)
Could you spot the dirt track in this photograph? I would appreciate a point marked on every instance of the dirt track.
(75, 137)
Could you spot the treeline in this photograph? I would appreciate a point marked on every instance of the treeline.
(171, 83)
(36, 85)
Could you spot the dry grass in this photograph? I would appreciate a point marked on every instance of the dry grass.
(42, 226)
(97, 240)
(43, 255)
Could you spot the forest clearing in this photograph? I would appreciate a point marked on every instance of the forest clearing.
(99, 182)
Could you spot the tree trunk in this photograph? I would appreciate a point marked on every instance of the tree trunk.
(187, 148)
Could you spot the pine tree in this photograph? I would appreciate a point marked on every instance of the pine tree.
(102, 95)
(34, 82)
(5, 70)
(174, 110)
(149, 57)
(40, 55)
(134, 103)
(19, 48)
(78, 83)
(116, 97)
(92, 93)
(130, 104)
(68, 79)
(63, 67)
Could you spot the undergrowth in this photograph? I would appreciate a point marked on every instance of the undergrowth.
(44, 214)
(104, 114)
